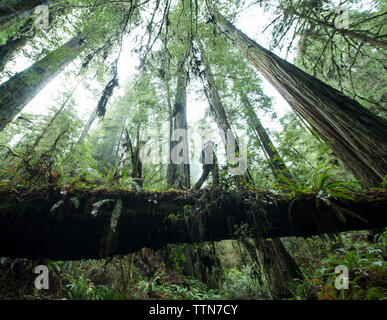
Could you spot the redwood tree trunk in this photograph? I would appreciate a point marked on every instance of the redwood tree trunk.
(88, 125)
(283, 268)
(135, 157)
(8, 50)
(279, 271)
(220, 116)
(356, 136)
(278, 266)
(125, 154)
(179, 174)
(19, 90)
(15, 43)
(275, 160)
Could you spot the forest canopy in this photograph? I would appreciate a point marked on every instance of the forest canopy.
(175, 124)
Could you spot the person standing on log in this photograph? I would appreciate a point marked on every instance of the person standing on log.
(210, 164)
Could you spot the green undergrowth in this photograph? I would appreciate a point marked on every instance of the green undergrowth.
(322, 183)
(149, 274)
(365, 260)
(127, 278)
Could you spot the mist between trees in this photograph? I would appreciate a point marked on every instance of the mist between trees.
(235, 155)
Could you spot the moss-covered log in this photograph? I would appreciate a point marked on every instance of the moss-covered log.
(68, 226)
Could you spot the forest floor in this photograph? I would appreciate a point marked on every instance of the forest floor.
(144, 275)
(17, 282)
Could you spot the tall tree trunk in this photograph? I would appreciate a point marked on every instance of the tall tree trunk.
(179, 174)
(170, 168)
(134, 153)
(18, 91)
(284, 268)
(8, 50)
(15, 43)
(135, 156)
(356, 136)
(278, 266)
(219, 113)
(276, 162)
(87, 127)
(48, 126)
(13, 8)
(125, 153)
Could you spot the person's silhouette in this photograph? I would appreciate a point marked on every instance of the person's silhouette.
(210, 164)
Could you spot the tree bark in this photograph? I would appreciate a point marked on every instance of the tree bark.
(179, 174)
(220, 116)
(15, 43)
(19, 90)
(284, 269)
(275, 266)
(32, 227)
(135, 157)
(126, 152)
(356, 136)
(170, 168)
(275, 160)
(8, 50)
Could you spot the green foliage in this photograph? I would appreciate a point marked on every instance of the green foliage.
(11, 31)
(93, 178)
(347, 59)
(190, 290)
(122, 279)
(367, 272)
(34, 159)
(40, 151)
(383, 184)
(241, 285)
(322, 182)
(325, 188)
(177, 254)
(84, 289)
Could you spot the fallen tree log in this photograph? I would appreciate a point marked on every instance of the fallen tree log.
(100, 223)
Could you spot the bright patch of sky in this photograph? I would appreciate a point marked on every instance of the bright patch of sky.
(251, 21)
